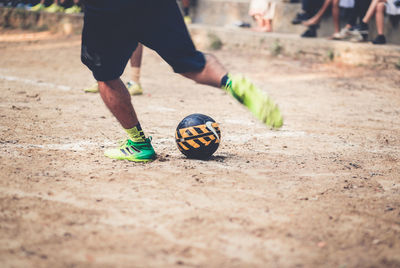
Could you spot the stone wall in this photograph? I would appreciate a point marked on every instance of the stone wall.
(18, 18)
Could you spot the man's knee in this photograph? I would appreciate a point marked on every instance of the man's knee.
(211, 60)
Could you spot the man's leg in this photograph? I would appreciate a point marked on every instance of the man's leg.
(362, 7)
(106, 48)
(317, 17)
(186, 14)
(371, 11)
(215, 74)
(362, 28)
(134, 86)
(212, 73)
(118, 101)
(379, 17)
(168, 36)
(336, 15)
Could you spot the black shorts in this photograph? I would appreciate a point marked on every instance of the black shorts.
(110, 36)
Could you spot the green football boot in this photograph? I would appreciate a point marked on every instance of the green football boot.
(133, 151)
(257, 101)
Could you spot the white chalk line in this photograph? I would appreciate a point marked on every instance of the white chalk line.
(35, 83)
(83, 145)
(161, 109)
(74, 146)
(270, 134)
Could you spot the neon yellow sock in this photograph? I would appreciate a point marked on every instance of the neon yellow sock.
(136, 134)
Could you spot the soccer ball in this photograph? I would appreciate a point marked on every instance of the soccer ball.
(198, 136)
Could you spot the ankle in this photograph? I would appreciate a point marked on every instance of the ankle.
(225, 81)
(136, 133)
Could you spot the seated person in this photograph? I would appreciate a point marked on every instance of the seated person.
(263, 12)
(310, 8)
(378, 8)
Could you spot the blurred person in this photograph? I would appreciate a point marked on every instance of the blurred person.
(315, 20)
(309, 9)
(186, 13)
(378, 8)
(348, 5)
(134, 86)
(263, 12)
(357, 12)
(111, 32)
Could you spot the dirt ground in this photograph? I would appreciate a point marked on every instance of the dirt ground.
(322, 191)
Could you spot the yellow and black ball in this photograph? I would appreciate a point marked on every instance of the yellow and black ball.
(198, 136)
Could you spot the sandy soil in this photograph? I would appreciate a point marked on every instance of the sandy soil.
(323, 191)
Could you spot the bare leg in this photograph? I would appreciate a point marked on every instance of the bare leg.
(186, 4)
(244, 91)
(136, 59)
(335, 15)
(371, 11)
(261, 23)
(379, 17)
(136, 62)
(317, 17)
(268, 25)
(211, 74)
(117, 99)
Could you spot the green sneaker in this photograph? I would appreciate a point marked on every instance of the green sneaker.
(255, 100)
(134, 88)
(133, 151)
(38, 7)
(92, 89)
(73, 9)
(53, 8)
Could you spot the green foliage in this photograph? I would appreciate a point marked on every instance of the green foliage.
(276, 48)
(331, 55)
(398, 65)
(215, 42)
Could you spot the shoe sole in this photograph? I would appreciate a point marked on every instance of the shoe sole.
(132, 160)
